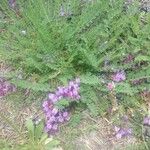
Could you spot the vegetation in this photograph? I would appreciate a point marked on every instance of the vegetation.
(105, 45)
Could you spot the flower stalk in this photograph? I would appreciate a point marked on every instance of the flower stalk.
(113, 101)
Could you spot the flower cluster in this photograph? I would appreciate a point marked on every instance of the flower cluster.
(122, 132)
(116, 77)
(70, 91)
(6, 87)
(54, 115)
(119, 76)
(146, 121)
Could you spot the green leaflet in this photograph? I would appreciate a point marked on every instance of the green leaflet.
(124, 88)
(89, 79)
(29, 85)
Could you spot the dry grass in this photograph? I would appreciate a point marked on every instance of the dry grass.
(102, 138)
(93, 134)
(17, 117)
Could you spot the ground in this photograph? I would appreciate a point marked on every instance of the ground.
(87, 134)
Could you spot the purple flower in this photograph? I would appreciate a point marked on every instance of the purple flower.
(70, 91)
(55, 127)
(73, 89)
(52, 119)
(53, 97)
(146, 121)
(122, 132)
(65, 114)
(54, 111)
(60, 91)
(45, 104)
(60, 119)
(111, 86)
(49, 126)
(55, 116)
(119, 76)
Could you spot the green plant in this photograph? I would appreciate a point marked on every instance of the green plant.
(35, 138)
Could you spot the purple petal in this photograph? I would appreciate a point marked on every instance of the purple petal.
(116, 129)
(146, 121)
(119, 76)
(45, 104)
(53, 97)
(65, 114)
(118, 135)
(75, 93)
(52, 119)
(60, 119)
(111, 86)
(49, 126)
(55, 127)
(122, 132)
(54, 111)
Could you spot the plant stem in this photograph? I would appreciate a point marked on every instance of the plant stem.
(113, 101)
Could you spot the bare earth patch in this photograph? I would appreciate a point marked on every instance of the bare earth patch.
(16, 119)
(89, 134)
(102, 139)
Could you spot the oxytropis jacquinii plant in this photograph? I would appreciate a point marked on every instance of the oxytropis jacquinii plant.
(54, 116)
